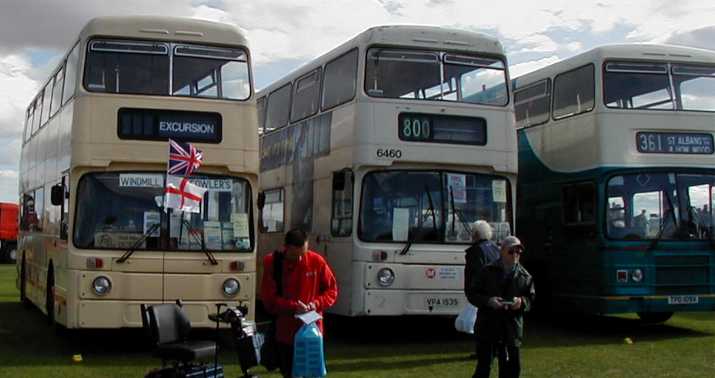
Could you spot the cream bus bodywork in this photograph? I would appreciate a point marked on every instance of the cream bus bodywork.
(363, 139)
(83, 137)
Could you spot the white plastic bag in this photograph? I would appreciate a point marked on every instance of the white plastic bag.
(466, 319)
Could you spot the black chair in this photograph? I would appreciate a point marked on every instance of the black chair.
(168, 328)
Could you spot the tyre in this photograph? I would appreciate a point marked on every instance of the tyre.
(654, 317)
(23, 284)
(50, 297)
(10, 253)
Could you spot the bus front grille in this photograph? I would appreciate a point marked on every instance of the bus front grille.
(682, 274)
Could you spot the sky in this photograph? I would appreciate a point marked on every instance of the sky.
(34, 34)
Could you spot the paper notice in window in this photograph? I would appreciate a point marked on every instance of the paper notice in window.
(458, 187)
(152, 218)
(400, 223)
(212, 235)
(499, 190)
(240, 225)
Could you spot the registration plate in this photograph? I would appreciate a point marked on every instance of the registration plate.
(683, 299)
(441, 302)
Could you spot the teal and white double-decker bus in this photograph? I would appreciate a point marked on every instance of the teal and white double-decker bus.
(616, 180)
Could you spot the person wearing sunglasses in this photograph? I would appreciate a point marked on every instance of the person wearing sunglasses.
(504, 291)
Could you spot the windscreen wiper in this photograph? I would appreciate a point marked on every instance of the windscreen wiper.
(202, 241)
(137, 243)
(431, 208)
(434, 223)
(670, 211)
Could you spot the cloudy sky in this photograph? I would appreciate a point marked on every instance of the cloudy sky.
(284, 34)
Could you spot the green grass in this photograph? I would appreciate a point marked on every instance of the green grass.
(404, 347)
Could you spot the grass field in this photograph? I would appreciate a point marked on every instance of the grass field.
(412, 347)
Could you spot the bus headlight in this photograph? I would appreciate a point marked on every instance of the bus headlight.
(102, 285)
(637, 275)
(385, 277)
(231, 287)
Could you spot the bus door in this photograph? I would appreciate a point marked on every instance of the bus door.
(333, 239)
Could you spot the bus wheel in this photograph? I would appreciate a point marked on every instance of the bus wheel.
(654, 317)
(50, 300)
(11, 254)
(23, 284)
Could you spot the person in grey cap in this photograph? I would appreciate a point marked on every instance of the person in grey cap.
(482, 252)
(504, 291)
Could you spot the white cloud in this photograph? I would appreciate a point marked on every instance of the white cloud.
(7, 173)
(516, 70)
(8, 189)
(16, 91)
(703, 38)
(537, 43)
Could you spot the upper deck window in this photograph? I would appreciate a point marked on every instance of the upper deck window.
(71, 68)
(305, 98)
(433, 75)
(531, 104)
(142, 67)
(261, 112)
(630, 85)
(340, 80)
(574, 92)
(278, 108)
(212, 72)
(695, 86)
(659, 86)
(127, 67)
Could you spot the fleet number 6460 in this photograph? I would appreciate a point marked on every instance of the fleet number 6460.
(390, 153)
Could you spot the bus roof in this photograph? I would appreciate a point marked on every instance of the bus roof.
(417, 36)
(165, 28)
(625, 51)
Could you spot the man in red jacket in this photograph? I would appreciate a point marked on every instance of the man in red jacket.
(308, 284)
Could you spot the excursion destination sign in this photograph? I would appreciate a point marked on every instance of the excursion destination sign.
(164, 124)
(674, 143)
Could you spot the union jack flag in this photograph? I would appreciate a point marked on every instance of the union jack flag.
(184, 158)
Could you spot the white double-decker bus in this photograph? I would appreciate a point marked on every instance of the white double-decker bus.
(95, 241)
(386, 149)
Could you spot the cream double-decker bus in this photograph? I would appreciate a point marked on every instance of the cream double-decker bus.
(386, 149)
(95, 241)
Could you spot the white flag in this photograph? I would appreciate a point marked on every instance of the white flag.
(182, 195)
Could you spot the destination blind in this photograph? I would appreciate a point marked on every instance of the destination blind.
(674, 143)
(155, 124)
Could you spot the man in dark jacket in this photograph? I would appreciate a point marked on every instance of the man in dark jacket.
(479, 254)
(503, 292)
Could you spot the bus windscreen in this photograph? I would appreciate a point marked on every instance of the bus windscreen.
(126, 205)
(432, 206)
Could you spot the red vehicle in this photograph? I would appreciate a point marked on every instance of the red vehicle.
(8, 232)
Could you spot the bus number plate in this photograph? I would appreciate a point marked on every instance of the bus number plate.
(683, 299)
(441, 302)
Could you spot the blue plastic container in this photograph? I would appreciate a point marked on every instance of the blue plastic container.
(308, 358)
